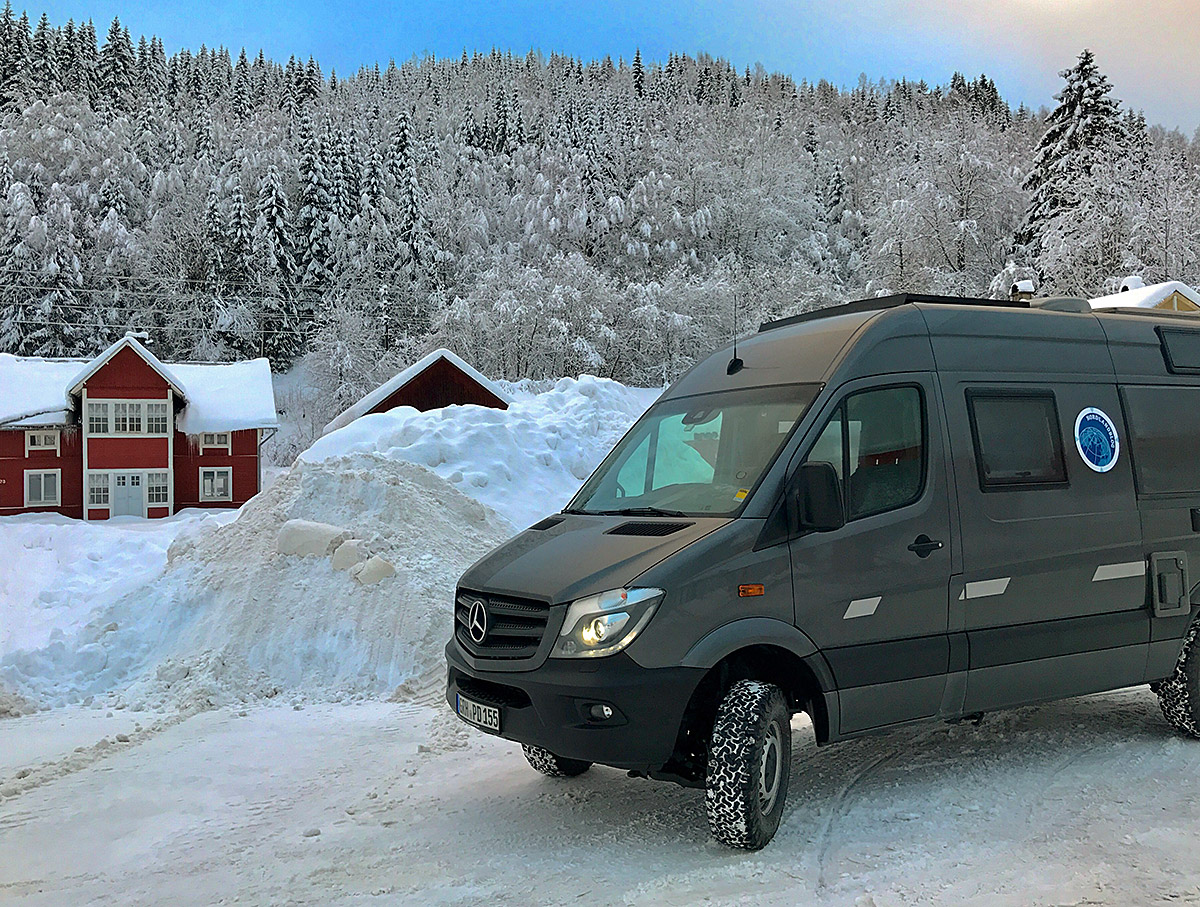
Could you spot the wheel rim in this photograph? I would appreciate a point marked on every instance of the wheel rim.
(770, 768)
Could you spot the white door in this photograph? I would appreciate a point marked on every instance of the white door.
(128, 495)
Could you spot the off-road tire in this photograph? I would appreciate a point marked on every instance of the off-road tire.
(553, 766)
(749, 750)
(1179, 695)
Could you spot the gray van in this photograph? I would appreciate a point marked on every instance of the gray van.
(896, 510)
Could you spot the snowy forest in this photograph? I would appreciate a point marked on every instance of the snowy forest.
(540, 215)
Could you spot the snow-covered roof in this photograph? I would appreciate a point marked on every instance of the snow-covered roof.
(1146, 297)
(130, 342)
(385, 390)
(226, 396)
(217, 396)
(1024, 286)
(35, 388)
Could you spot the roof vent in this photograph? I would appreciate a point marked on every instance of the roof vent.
(648, 529)
(548, 523)
(1061, 304)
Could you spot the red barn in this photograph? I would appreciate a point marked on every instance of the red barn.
(440, 379)
(127, 435)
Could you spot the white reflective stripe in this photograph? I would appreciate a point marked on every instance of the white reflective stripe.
(862, 607)
(986, 587)
(1119, 571)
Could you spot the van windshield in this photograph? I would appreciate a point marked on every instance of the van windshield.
(695, 456)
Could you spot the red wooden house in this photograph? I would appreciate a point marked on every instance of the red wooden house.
(439, 379)
(127, 435)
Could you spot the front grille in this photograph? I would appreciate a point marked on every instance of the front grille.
(515, 626)
(647, 529)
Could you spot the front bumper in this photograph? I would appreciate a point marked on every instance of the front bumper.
(549, 706)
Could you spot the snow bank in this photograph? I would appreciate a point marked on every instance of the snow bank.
(232, 618)
(524, 462)
(56, 574)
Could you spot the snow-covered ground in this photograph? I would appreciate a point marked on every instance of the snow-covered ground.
(1090, 801)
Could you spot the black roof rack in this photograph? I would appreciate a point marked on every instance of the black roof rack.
(878, 303)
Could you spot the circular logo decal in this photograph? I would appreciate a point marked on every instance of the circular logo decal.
(477, 621)
(1096, 439)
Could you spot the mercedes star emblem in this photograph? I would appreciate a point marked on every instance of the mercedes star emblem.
(477, 621)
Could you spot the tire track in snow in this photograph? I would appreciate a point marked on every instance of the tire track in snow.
(30, 778)
(839, 809)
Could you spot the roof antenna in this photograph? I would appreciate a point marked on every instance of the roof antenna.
(735, 364)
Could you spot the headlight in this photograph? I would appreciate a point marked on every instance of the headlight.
(606, 623)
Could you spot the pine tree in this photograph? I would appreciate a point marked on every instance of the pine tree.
(17, 61)
(87, 79)
(1081, 132)
(63, 329)
(117, 70)
(639, 74)
(45, 75)
(271, 253)
(315, 209)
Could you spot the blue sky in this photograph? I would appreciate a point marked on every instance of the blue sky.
(1145, 47)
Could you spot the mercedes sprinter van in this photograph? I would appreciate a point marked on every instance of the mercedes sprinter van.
(904, 509)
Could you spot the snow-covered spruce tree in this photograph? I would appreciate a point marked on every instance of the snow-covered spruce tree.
(315, 210)
(18, 269)
(117, 70)
(62, 327)
(1072, 197)
(274, 267)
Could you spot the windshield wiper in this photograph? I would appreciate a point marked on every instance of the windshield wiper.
(643, 511)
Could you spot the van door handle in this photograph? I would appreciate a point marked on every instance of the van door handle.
(923, 546)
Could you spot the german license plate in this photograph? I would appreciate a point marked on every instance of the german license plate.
(486, 716)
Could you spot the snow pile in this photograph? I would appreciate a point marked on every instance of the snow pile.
(57, 573)
(232, 618)
(524, 462)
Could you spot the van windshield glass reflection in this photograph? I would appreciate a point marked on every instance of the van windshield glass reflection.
(695, 456)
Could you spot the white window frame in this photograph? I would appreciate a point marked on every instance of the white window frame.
(108, 419)
(228, 470)
(149, 484)
(87, 492)
(57, 473)
(141, 407)
(131, 407)
(37, 448)
(216, 443)
(165, 433)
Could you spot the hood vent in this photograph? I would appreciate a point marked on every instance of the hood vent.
(648, 529)
(548, 523)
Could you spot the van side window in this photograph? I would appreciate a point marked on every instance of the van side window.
(1018, 441)
(1163, 424)
(876, 443)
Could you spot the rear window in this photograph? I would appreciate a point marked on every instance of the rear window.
(1018, 441)
(1181, 349)
(1165, 426)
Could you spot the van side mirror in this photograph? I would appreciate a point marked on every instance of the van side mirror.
(814, 499)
